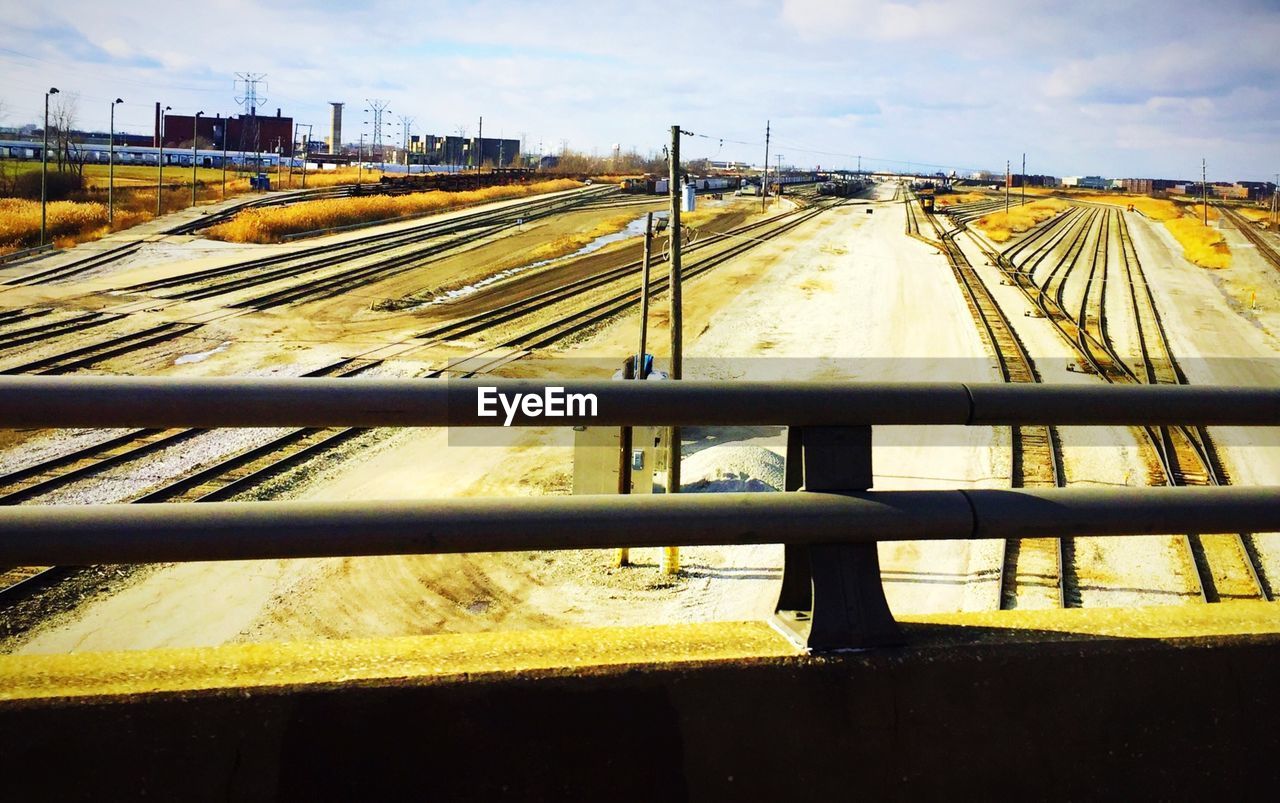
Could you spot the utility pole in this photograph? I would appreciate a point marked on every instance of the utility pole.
(1275, 202)
(644, 295)
(160, 163)
(306, 151)
(225, 125)
(1024, 178)
(195, 139)
(479, 149)
(44, 167)
(764, 179)
(1204, 191)
(624, 554)
(1006, 186)
(671, 555)
(407, 124)
(111, 167)
(377, 108)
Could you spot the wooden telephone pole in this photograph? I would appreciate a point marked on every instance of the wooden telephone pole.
(764, 179)
(671, 555)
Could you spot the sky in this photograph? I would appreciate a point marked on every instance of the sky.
(1114, 88)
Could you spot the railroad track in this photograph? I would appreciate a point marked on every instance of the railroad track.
(544, 334)
(1226, 566)
(1034, 572)
(513, 347)
(224, 478)
(249, 274)
(84, 356)
(107, 256)
(238, 472)
(115, 253)
(1266, 249)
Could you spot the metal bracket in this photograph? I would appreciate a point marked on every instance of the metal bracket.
(832, 597)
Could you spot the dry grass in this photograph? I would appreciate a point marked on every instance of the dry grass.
(1254, 213)
(20, 220)
(269, 225)
(1001, 226)
(85, 219)
(1201, 244)
(953, 199)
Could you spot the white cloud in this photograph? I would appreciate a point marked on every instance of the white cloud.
(969, 82)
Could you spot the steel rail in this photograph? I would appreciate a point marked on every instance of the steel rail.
(1173, 444)
(1035, 455)
(95, 534)
(1266, 250)
(99, 401)
(429, 227)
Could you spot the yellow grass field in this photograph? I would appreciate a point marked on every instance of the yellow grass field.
(96, 176)
(269, 225)
(1256, 214)
(1201, 245)
(136, 202)
(956, 198)
(1001, 226)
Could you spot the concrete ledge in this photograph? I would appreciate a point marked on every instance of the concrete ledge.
(1057, 707)
(370, 662)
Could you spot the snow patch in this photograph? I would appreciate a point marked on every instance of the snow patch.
(201, 356)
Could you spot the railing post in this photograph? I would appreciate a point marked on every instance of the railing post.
(832, 597)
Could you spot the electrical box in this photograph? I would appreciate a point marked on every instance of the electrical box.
(602, 456)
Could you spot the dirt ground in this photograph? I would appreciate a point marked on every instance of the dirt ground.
(845, 296)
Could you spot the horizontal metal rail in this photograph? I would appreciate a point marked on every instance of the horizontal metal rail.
(831, 597)
(37, 401)
(87, 534)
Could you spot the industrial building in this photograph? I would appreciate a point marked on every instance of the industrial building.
(1019, 180)
(1147, 186)
(453, 150)
(1086, 182)
(250, 132)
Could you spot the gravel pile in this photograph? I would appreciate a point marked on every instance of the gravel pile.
(732, 469)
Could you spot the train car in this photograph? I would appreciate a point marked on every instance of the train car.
(926, 199)
(98, 153)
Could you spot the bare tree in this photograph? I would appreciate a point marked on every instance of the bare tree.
(7, 173)
(63, 119)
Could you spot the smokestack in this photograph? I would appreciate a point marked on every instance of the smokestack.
(335, 126)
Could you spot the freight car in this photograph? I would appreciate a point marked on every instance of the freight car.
(659, 186)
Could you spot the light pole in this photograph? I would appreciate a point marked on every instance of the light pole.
(195, 137)
(225, 125)
(111, 166)
(44, 166)
(160, 163)
(360, 161)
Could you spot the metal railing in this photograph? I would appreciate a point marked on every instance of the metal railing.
(831, 595)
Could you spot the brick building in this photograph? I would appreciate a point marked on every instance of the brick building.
(243, 132)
